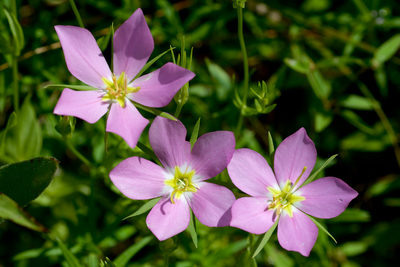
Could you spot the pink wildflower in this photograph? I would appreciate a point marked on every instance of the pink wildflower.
(133, 45)
(279, 196)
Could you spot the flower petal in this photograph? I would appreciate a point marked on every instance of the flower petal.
(325, 198)
(133, 45)
(159, 87)
(86, 105)
(252, 215)
(83, 56)
(212, 153)
(250, 172)
(127, 122)
(167, 138)
(166, 219)
(297, 233)
(138, 178)
(292, 155)
(212, 204)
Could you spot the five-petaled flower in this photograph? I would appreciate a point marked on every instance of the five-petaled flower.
(133, 45)
(280, 196)
(181, 182)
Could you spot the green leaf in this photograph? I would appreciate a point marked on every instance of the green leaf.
(268, 109)
(69, 257)
(107, 263)
(192, 228)
(312, 176)
(104, 40)
(271, 147)
(263, 239)
(155, 111)
(297, 65)
(320, 86)
(149, 152)
(387, 50)
(149, 204)
(25, 181)
(5, 45)
(354, 248)
(10, 210)
(125, 256)
(381, 80)
(195, 133)
(322, 120)
(221, 78)
(356, 121)
(70, 86)
(148, 64)
(16, 31)
(356, 102)
(12, 121)
(352, 215)
(321, 227)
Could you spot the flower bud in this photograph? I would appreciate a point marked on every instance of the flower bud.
(66, 126)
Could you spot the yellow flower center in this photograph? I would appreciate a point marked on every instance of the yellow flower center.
(284, 199)
(181, 183)
(118, 88)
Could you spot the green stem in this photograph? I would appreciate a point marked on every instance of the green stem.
(166, 260)
(76, 12)
(79, 155)
(178, 110)
(246, 69)
(15, 83)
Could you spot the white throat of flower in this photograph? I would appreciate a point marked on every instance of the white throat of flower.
(283, 199)
(181, 183)
(117, 89)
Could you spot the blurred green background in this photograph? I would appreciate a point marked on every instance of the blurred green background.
(332, 67)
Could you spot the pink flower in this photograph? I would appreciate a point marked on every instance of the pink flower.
(279, 197)
(133, 45)
(181, 182)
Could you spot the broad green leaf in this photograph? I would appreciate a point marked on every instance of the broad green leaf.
(70, 86)
(71, 259)
(155, 111)
(192, 228)
(149, 152)
(387, 50)
(356, 121)
(12, 121)
(10, 210)
(321, 87)
(321, 227)
(297, 65)
(263, 239)
(16, 31)
(354, 248)
(123, 259)
(312, 176)
(148, 64)
(104, 40)
(149, 204)
(25, 181)
(195, 133)
(352, 215)
(356, 102)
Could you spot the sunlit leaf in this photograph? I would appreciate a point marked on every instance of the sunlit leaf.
(192, 228)
(387, 49)
(321, 227)
(70, 86)
(146, 207)
(263, 239)
(312, 176)
(16, 31)
(195, 133)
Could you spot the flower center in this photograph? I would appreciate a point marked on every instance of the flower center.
(181, 183)
(284, 199)
(118, 88)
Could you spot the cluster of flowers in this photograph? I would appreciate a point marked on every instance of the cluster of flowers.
(275, 195)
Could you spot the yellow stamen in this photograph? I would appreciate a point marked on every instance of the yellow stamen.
(181, 183)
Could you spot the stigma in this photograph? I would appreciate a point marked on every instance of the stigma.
(181, 183)
(117, 89)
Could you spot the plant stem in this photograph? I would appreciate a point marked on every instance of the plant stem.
(178, 110)
(166, 260)
(76, 12)
(79, 155)
(15, 83)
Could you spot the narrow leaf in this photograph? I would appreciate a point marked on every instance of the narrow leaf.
(70, 86)
(312, 176)
(24, 181)
(270, 144)
(192, 228)
(107, 263)
(297, 65)
(149, 204)
(10, 210)
(103, 41)
(12, 121)
(149, 152)
(16, 31)
(387, 49)
(125, 256)
(263, 239)
(155, 111)
(195, 133)
(321, 227)
(69, 257)
(148, 64)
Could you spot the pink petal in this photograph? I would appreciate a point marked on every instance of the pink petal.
(159, 87)
(212, 153)
(127, 122)
(297, 233)
(83, 56)
(133, 45)
(325, 198)
(252, 215)
(166, 219)
(292, 155)
(212, 204)
(250, 172)
(86, 105)
(138, 178)
(167, 138)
